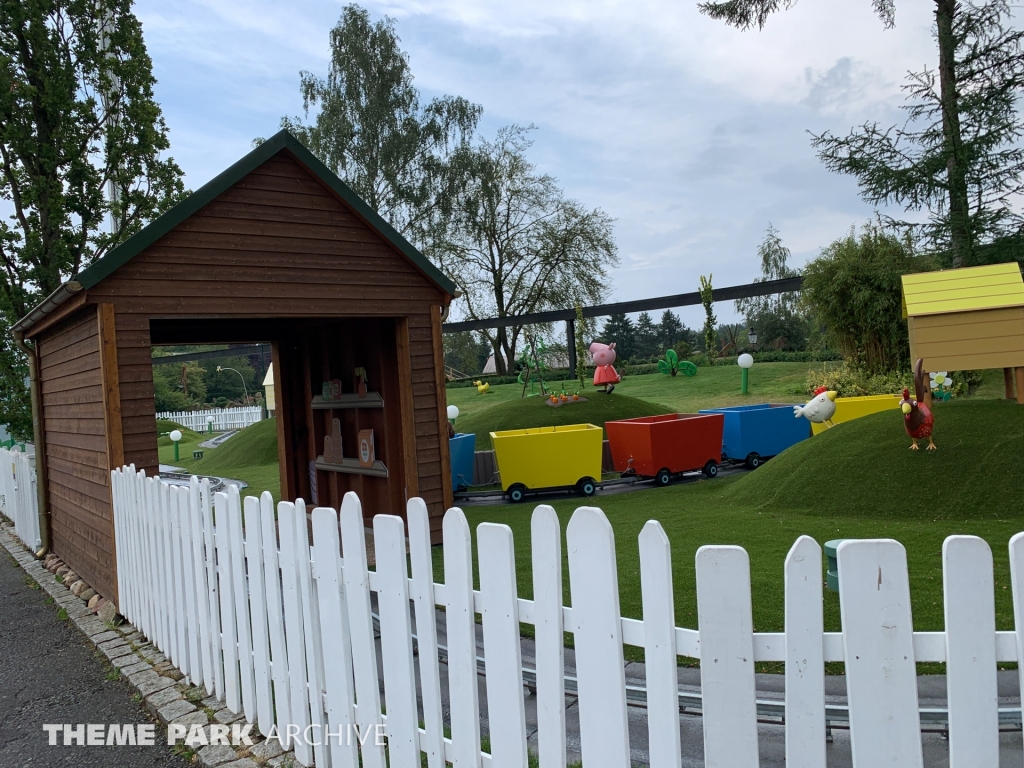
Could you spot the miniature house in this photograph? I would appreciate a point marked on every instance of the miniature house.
(275, 249)
(968, 319)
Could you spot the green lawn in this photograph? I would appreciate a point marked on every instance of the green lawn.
(858, 480)
(251, 455)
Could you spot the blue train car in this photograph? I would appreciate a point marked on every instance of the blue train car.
(462, 449)
(756, 432)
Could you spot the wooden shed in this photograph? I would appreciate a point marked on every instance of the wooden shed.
(275, 249)
(968, 319)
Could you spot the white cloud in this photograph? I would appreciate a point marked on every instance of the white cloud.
(690, 133)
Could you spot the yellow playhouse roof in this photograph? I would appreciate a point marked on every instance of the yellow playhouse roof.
(963, 290)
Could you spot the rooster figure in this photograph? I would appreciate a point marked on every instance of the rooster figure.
(918, 420)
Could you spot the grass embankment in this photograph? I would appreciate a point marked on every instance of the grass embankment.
(535, 412)
(858, 480)
(251, 455)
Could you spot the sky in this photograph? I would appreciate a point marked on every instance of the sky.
(692, 135)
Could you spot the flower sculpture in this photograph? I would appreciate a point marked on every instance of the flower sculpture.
(940, 383)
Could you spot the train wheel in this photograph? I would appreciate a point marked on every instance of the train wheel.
(517, 492)
(664, 477)
(753, 461)
(711, 468)
(586, 486)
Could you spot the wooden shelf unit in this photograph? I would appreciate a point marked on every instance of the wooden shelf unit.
(352, 467)
(348, 400)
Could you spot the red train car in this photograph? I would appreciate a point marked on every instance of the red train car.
(663, 446)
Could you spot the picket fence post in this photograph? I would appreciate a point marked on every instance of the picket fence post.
(283, 631)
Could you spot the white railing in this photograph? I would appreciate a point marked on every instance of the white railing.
(18, 495)
(223, 418)
(283, 631)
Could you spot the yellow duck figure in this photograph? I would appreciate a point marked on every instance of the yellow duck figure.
(481, 387)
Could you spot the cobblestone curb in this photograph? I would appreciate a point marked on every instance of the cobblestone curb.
(160, 685)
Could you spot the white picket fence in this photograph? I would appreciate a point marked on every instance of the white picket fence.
(223, 418)
(18, 495)
(283, 631)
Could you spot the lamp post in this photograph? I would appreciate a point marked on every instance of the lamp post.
(744, 361)
(244, 388)
(209, 425)
(175, 438)
(752, 337)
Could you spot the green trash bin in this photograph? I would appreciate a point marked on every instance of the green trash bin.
(832, 574)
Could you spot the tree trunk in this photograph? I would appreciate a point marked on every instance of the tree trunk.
(961, 237)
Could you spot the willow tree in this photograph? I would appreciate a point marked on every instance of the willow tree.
(958, 154)
(515, 244)
(81, 165)
(370, 127)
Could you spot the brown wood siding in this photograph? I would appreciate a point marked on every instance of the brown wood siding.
(277, 244)
(77, 466)
(957, 341)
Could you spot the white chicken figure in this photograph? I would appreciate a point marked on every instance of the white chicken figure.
(819, 409)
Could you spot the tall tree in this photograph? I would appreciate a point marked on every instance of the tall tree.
(958, 156)
(777, 317)
(515, 244)
(620, 330)
(646, 337)
(671, 330)
(370, 127)
(77, 114)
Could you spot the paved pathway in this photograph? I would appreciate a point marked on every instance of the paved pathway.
(49, 673)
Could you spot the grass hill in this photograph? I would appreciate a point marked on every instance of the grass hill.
(535, 412)
(864, 468)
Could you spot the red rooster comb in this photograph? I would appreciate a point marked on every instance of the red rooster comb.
(906, 393)
(819, 390)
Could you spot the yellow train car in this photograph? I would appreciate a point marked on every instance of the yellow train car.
(850, 408)
(549, 457)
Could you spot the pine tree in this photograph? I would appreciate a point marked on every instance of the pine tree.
(620, 330)
(647, 337)
(671, 330)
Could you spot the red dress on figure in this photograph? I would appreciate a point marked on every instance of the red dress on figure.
(606, 374)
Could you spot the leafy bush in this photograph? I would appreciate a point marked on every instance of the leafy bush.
(853, 382)
(855, 290)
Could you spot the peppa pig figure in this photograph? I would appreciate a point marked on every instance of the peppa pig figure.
(604, 371)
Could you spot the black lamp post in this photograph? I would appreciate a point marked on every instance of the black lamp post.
(752, 338)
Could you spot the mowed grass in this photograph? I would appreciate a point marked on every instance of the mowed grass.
(251, 455)
(858, 480)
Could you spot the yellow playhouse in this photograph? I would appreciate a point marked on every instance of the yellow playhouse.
(968, 319)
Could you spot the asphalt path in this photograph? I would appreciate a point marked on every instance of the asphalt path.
(49, 673)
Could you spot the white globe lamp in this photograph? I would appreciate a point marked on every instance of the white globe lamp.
(744, 361)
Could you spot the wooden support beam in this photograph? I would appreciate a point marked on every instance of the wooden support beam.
(407, 408)
(1020, 385)
(442, 410)
(1008, 382)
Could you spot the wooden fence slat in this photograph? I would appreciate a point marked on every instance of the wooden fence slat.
(463, 693)
(546, 544)
(292, 598)
(202, 588)
(169, 612)
(334, 630)
(396, 640)
(364, 650)
(258, 613)
(660, 647)
(156, 580)
(180, 608)
(212, 585)
(310, 633)
(502, 652)
(881, 676)
(973, 699)
(228, 633)
(275, 616)
(426, 630)
(192, 631)
(1016, 547)
(805, 663)
(240, 590)
(594, 585)
(726, 657)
